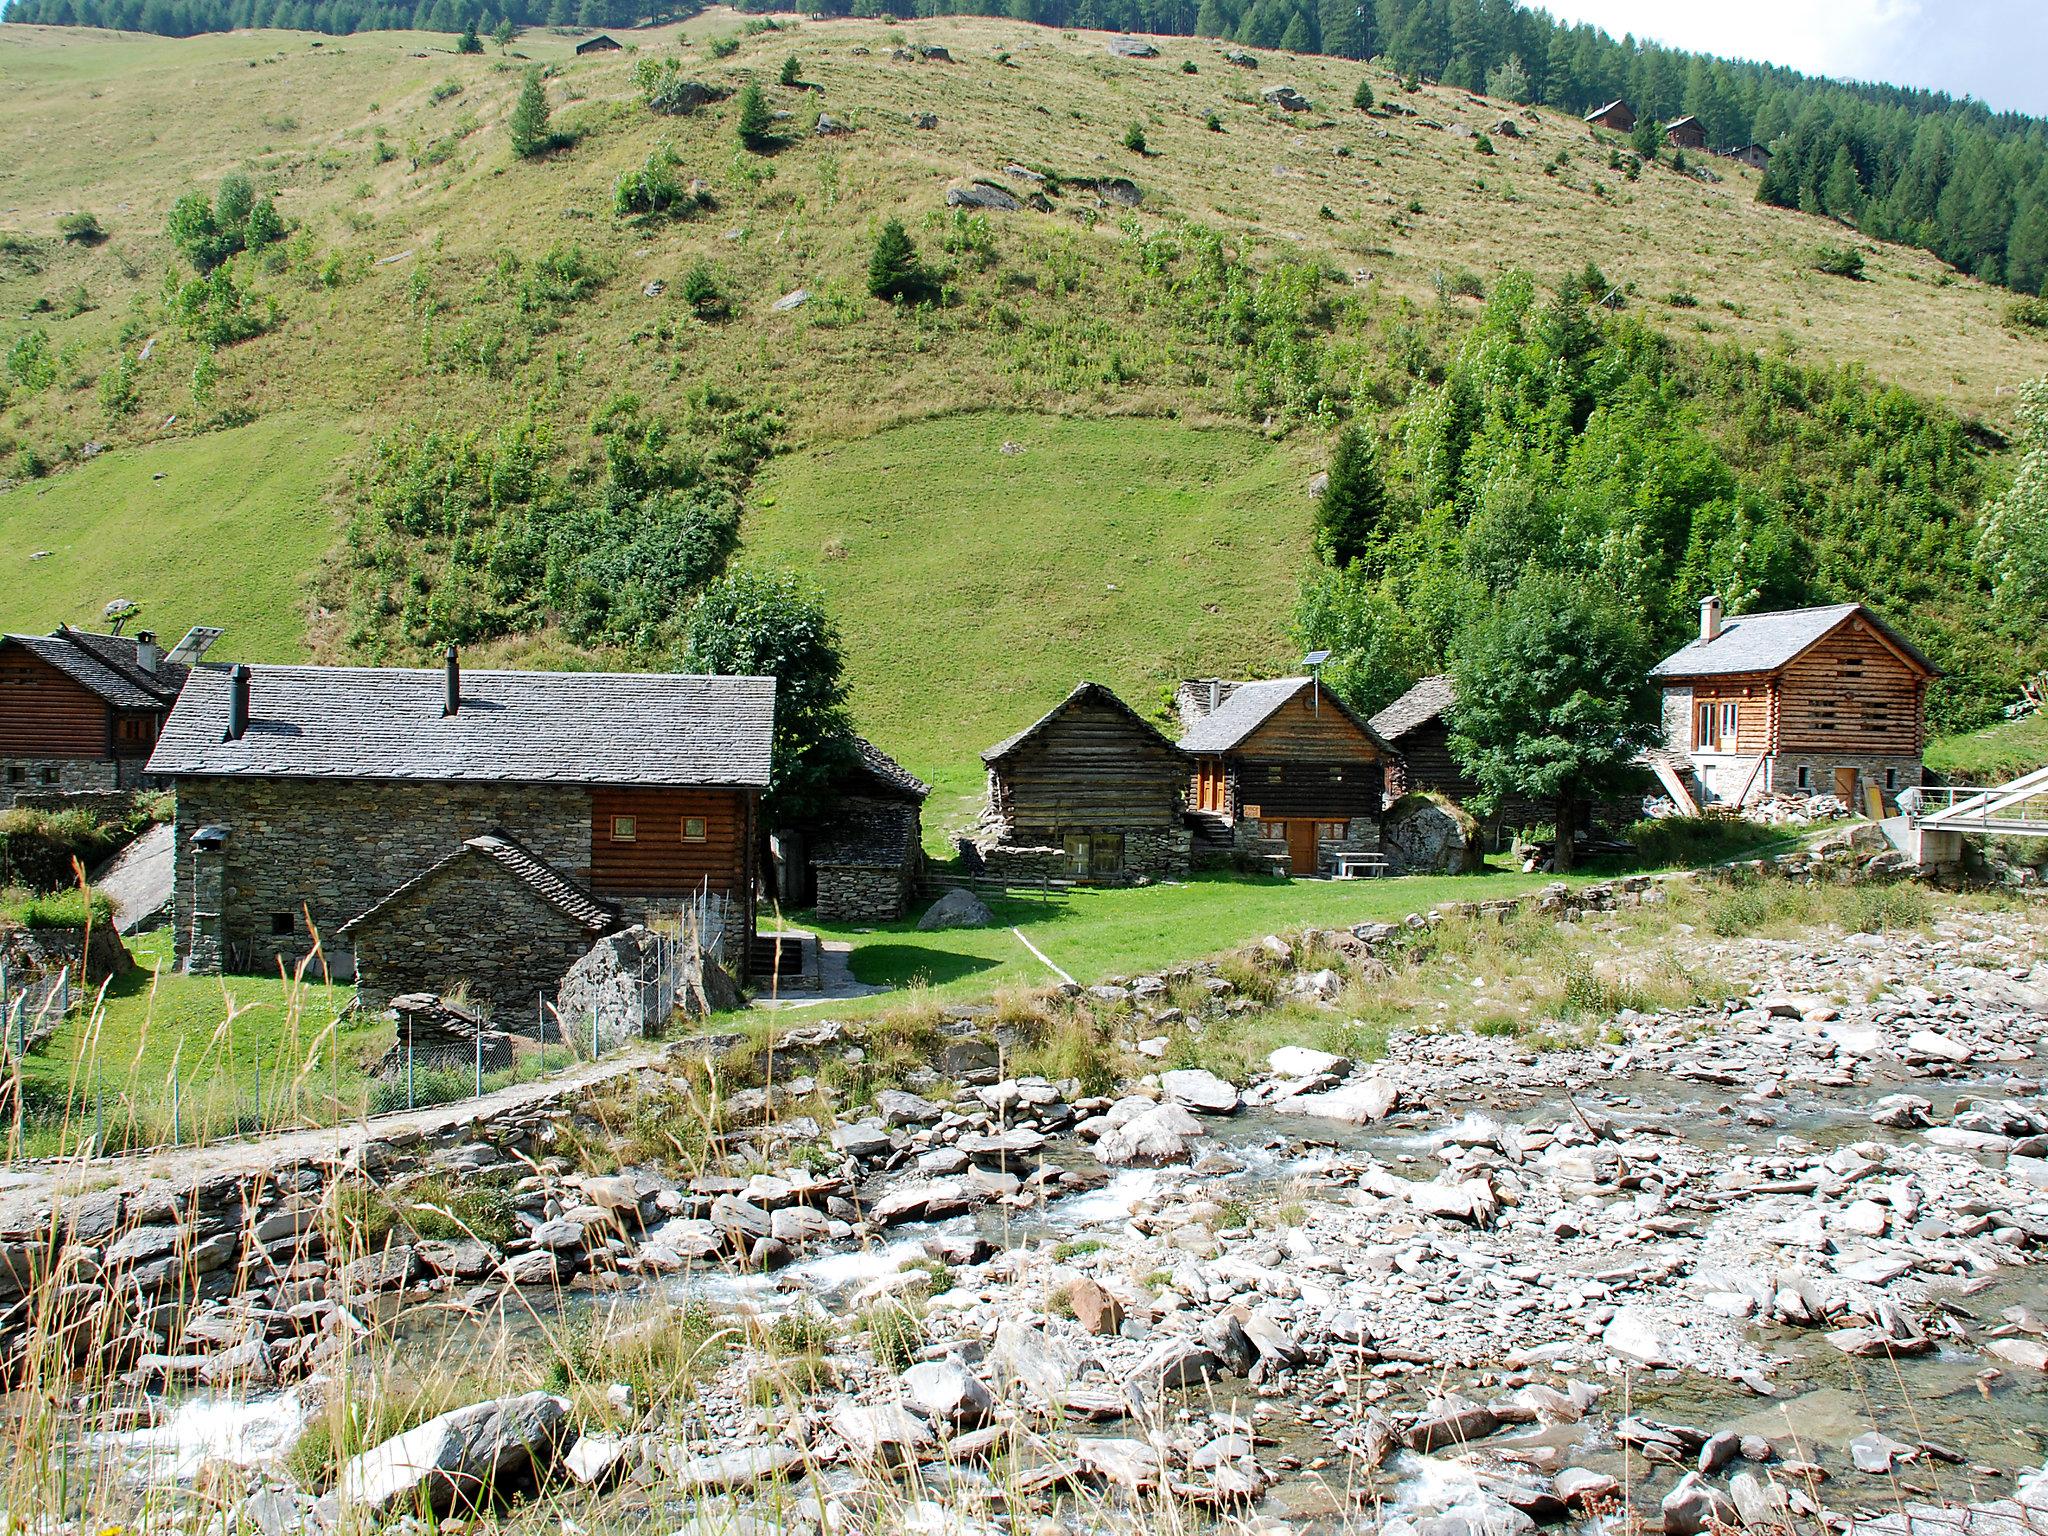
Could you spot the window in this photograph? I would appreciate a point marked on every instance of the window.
(1332, 831)
(1275, 773)
(1336, 773)
(1805, 776)
(16, 774)
(1891, 778)
(281, 925)
(1706, 728)
(1276, 830)
(693, 829)
(625, 829)
(52, 775)
(1729, 718)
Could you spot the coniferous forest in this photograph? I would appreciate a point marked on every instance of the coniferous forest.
(1913, 166)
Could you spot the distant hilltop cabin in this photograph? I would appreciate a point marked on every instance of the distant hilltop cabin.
(1811, 700)
(1282, 771)
(1685, 133)
(602, 43)
(1088, 791)
(80, 712)
(1618, 116)
(323, 801)
(1755, 156)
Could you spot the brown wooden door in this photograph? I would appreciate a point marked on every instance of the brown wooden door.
(1301, 847)
(1845, 787)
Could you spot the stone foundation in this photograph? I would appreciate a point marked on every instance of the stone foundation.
(862, 893)
(1007, 861)
(31, 780)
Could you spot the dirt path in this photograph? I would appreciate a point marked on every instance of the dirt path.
(26, 1189)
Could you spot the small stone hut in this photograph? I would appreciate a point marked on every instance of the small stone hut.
(869, 859)
(491, 919)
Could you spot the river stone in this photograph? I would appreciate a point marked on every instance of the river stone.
(1633, 1336)
(1472, 1201)
(1303, 1061)
(723, 1472)
(881, 1434)
(948, 1393)
(1130, 1464)
(1175, 1363)
(1937, 1047)
(862, 1138)
(1359, 1103)
(901, 1108)
(1203, 1092)
(2030, 1353)
(1157, 1135)
(462, 1457)
(1584, 1486)
(1098, 1312)
(1902, 1111)
(1874, 1453)
(959, 907)
(596, 1461)
(1719, 1450)
(1451, 1421)
(1762, 1501)
(1695, 1504)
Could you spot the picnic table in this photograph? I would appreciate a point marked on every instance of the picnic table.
(1355, 864)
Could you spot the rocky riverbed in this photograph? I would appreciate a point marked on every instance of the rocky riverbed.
(1766, 1262)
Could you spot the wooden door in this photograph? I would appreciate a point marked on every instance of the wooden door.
(1845, 787)
(1301, 847)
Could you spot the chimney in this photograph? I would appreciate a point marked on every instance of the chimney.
(1215, 694)
(238, 704)
(452, 704)
(148, 654)
(1710, 617)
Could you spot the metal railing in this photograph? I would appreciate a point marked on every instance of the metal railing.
(2019, 809)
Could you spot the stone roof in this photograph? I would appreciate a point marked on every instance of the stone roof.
(1425, 701)
(1083, 692)
(1764, 642)
(653, 728)
(531, 871)
(884, 773)
(107, 666)
(1250, 706)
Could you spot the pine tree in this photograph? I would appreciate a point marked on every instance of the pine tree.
(469, 41)
(1296, 39)
(1212, 20)
(529, 125)
(1343, 29)
(1362, 98)
(1353, 512)
(1842, 193)
(893, 268)
(756, 124)
(792, 71)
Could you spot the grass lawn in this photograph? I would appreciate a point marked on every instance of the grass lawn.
(219, 529)
(1103, 932)
(975, 587)
(221, 1034)
(1994, 754)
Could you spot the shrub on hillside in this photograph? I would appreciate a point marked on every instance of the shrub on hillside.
(656, 189)
(81, 229)
(216, 311)
(894, 272)
(1836, 261)
(207, 231)
(756, 125)
(1362, 98)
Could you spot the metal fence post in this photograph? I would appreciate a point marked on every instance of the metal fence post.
(479, 1061)
(408, 1062)
(259, 1095)
(175, 1107)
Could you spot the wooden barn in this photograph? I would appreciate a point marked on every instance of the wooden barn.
(1416, 726)
(1616, 115)
(1281, 770)
(309, 797)
(602, 43)
(1685, 133)
(1755, 156)
(80, 712)
(1811, 700)
(1090, 790)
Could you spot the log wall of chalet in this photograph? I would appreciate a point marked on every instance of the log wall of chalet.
(1851, 693)
(43, 713)
(1092, 767)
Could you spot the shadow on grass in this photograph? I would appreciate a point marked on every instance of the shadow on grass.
(897, 965)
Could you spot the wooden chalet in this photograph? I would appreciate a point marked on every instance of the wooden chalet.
(1281, 770)
(602, 43)
(1090, 790)
(1755, 156)
(1807, 701)
(1618, 116)
(80, 712)
(307, 797)
(1417, 727)
(1685, 133)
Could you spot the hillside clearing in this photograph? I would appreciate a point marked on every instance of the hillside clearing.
(225, 528)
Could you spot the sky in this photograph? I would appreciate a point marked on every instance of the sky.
(1994, 50)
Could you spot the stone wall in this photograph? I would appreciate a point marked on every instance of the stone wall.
(24, 779)
(1007, 861)
(1162, 853)
(472, 926)
(340, 847)
(1678, 720)
(1870, 769)
(863, 893)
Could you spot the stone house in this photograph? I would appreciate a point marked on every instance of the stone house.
(80, 712)
(868, 860)
(1088, 791)
(1618, 116)
(489, 918)
(1807, 701)
(1282, 769)
(1417, 727)
(308, 796)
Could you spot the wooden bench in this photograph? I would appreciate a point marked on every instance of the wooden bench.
(1355, 864)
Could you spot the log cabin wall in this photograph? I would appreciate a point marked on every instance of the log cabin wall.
(668, 842)
(1307, 730)
(1753, 699)
(1092, 767)
(1851, 694)
(43, 713)
(1324, 791)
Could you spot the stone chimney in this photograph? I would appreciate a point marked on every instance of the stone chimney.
(1197, 698)
(452, 704)
(148, 654)
(238, 704)
(1710, 617)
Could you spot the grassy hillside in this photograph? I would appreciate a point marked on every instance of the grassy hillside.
(1993, 755)
(981, 565)
(214, 529)
(434, 281)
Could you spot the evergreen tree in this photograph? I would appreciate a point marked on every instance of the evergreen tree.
(529, 124)
(1342, 28)
(1213, 20)
(1353, 512)
(792, 71)
(756, 126)
(1842, 193)
(1362, 97)
(2015, 536)
(1296, 38)
(894, 271)
(469, 42)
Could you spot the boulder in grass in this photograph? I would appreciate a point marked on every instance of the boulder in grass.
(959, 907)
(461, 1459)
